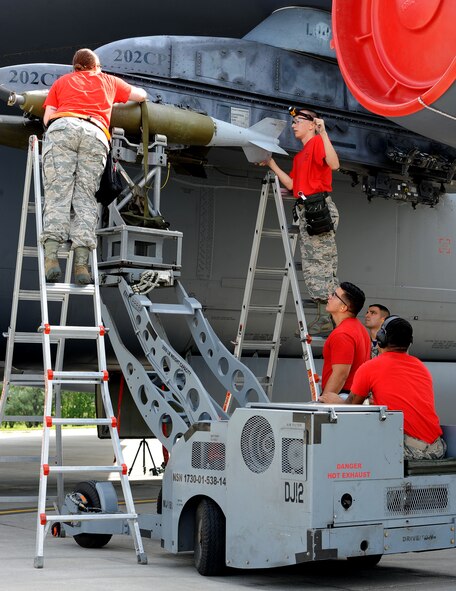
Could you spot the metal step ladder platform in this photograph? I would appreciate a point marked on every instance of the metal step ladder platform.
(55, 374)
(287, 272)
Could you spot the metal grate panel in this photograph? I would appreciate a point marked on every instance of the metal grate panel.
(292, 455)
(425, 499)
(207, 455)
(257, 444)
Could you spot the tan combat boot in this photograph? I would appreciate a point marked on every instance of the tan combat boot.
(51, 262)
(323, 324)
(81, 266)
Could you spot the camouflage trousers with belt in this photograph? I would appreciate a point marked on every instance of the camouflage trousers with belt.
(319, 256)
(416, 449)
(74, 157)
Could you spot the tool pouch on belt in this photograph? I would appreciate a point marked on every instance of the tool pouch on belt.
(317, 215)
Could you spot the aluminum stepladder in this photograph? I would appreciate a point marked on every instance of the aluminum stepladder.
(53, 375)
(289, 277)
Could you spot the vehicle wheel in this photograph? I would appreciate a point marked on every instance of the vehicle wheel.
(159, 501)
(368, 561)
(88, 490)
(209, 553)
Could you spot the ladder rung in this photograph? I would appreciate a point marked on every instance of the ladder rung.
(74, 332)
(273, 233)
(63, 469)
(26, 379)
(270, 271)
(69, 288)
(265, 309)
(33, 295)
(169, 309)
(259, 345)
(32, 251)
(30, 337)
(66, 421)
(90, 516)
(86, 377)
(22, 419)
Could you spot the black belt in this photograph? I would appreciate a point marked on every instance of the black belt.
(344, 392)
(300, 200)
(324, 193)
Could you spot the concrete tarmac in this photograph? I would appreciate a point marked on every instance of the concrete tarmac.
(114, 567)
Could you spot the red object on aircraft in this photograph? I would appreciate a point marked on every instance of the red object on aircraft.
(398, 58)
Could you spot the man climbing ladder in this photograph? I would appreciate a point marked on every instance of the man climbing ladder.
(311, 182)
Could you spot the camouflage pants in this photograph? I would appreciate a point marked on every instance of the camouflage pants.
(74, 157)
(319, 257)
(415, 449)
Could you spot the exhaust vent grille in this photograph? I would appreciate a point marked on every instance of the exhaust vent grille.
(207, 455)
(292, 456)
(425, 499)
(257, 444)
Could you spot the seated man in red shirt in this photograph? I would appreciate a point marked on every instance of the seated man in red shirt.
(400, 382)
(348, 346)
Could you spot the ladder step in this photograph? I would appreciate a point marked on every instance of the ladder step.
(30, 337)
(22, 419)
(69, 288)
(65, 421)
(27, 380)
(35, 296)
(64, 469)
(265, 309)
(86, 377)
(273, 233)
(259, 345)
(270, 271)
(32, 251)
(89, 516)
(74, 332)
(175, 309)
(57, 291)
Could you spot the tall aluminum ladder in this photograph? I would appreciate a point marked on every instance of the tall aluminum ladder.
(54, 376)
(289, 277)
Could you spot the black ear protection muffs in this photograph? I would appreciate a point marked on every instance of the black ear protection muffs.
(382, 337)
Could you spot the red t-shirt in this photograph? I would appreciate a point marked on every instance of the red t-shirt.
(310, 172)
(401, 382)
(88, 93)
(348, 344)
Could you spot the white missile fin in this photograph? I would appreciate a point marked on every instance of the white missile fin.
(269, 146)
(270, 126)
(254, 154)
(259, 151)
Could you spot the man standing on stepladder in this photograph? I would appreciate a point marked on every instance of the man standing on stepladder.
(310, 180)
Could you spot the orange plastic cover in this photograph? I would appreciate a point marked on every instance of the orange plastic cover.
(391, 52)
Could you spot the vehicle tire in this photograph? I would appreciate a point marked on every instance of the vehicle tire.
(86, 540)
(159, 501)
(209, 555)
(368, 561)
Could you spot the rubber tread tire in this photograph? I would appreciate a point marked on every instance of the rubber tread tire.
(209, 542)
(88, 540)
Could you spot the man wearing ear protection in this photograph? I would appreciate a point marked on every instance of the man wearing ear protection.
(310, 180)
(400, 382)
